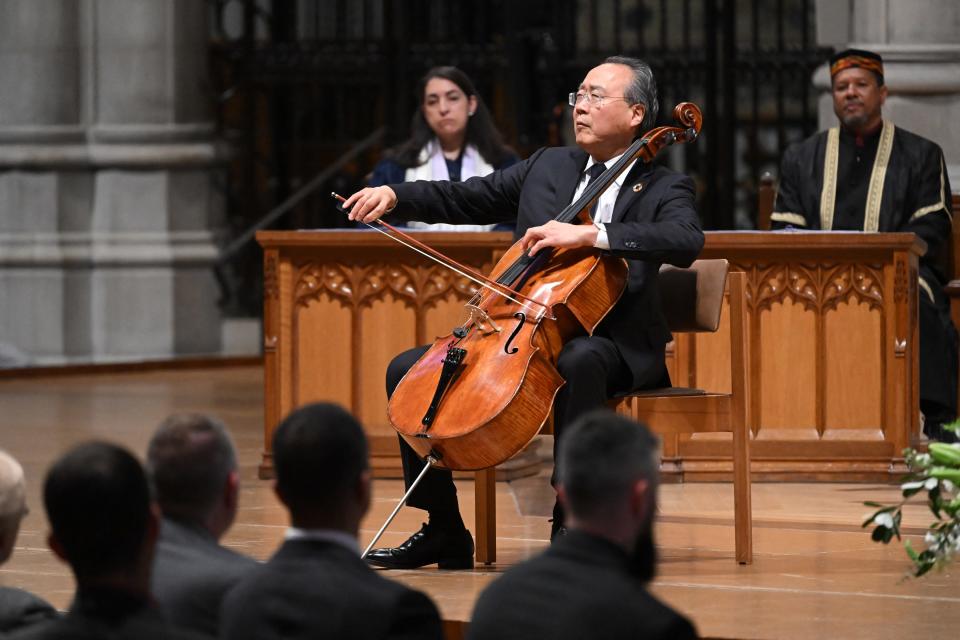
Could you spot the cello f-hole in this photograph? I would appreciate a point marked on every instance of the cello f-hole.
(521, 317)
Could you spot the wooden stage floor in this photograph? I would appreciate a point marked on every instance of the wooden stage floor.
(815, 574)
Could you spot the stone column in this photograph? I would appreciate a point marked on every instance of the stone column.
(106, 197)
(920, 44)
(40, 117)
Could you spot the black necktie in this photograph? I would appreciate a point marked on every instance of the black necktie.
(592, 173)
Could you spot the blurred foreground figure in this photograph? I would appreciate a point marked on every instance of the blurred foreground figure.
(192, 465)
(591, 582)
(104, 525)
(316, 586)
(18, 608)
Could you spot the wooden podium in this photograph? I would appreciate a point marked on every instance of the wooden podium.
(833, 348)
(339, 305)
(833, 341)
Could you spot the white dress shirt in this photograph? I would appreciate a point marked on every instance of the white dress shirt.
(607, 199)
(324, 535)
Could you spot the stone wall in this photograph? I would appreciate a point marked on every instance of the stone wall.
(106, 198)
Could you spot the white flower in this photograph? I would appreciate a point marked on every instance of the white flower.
(916, 484)
(924, 459)
(883, 520)
(930, 539)
(930, 484)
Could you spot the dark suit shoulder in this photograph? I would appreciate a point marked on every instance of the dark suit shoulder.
(659, 177)
(323, 590)
(20, 609)
(148, 626)
(178, 540)
(574, 591)
(192, 573)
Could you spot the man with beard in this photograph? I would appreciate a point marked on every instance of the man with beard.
(592, 581)
(868, 175)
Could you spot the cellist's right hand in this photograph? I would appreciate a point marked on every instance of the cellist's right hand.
(371, 203)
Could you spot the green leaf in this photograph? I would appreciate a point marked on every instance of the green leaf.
(910, 552)
(952, 426)
(869, 521)
(933, 501)
(912, 491)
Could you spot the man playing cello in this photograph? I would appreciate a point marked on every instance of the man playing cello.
(646, 216)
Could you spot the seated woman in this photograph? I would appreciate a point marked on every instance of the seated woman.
(452, 137)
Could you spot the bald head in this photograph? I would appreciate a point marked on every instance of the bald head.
(13, 503)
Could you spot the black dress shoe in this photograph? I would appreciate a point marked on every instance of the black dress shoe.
(431, 545)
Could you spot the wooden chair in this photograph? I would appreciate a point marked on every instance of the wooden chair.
(692, 299)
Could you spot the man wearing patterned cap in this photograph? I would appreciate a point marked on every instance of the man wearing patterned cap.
(868, 175)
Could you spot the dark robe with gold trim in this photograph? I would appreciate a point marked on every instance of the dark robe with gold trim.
(891, 180)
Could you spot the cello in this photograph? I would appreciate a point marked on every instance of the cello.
(481, 393)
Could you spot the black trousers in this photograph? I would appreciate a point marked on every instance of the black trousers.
(594, 371)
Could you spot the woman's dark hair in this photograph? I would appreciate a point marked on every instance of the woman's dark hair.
(481, 132)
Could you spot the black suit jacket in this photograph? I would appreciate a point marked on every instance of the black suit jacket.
(581, 587)
(316, 590)
(192, 574)
(654, 222)
(107, 613)
(19, 609)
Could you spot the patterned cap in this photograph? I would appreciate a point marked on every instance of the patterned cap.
(857, 58)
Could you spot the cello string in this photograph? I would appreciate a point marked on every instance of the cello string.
(444, 261)
(452, 268)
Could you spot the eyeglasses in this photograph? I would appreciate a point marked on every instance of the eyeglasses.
(592, 98)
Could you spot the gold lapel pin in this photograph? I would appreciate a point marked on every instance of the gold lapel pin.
(637, 188)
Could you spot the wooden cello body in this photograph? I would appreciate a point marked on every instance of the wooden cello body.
(481, 393)
(507, 379)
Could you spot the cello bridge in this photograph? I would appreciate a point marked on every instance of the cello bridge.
(482, 320)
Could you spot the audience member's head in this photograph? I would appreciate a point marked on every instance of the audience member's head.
(13, 503)
(101, 516)
(608, 471)
(192, 465)
(322, 471)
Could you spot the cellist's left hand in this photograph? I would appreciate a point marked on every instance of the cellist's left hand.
(558, 234)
